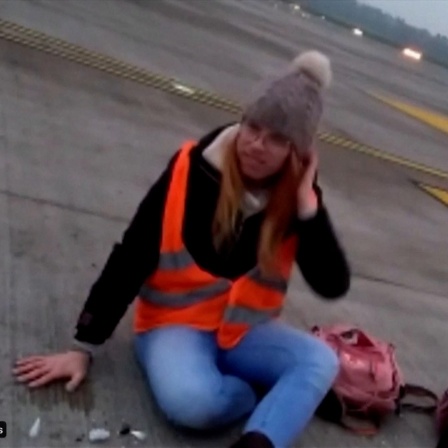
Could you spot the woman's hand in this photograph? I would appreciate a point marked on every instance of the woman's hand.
(306, 197)
(38, 371)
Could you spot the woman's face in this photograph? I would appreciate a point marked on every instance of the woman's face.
(261, 152)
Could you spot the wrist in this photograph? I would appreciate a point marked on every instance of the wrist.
(83, 347)
(305, 215)
(308, 207)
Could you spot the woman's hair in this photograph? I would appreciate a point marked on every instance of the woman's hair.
(280, 209)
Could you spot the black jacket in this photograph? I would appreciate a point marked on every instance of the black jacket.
(320, 258)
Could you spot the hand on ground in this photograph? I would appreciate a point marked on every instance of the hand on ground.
(37, 371)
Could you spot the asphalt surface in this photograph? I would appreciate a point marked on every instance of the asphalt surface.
(79, 148)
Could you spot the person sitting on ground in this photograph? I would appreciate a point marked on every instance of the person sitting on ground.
(208, 258)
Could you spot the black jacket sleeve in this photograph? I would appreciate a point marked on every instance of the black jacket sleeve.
(320, 256)
(128, 265)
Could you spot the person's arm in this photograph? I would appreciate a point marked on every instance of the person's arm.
(128, 265)
(320, 256)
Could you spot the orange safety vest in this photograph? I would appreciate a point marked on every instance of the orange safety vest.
(179, 292)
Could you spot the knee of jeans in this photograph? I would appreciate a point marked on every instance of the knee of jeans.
(325, 364)
(190, 406)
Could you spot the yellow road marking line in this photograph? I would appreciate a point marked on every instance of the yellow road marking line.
(40, 41)
(48, 44)
(370, 151)
(350, 145)
(440, 194)
(430, 118)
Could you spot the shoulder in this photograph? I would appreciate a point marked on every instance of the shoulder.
(208, 152)
(211, 139)
(208, 138)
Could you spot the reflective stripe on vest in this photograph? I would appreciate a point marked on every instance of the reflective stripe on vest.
(279, 284)
(249, 316)
(169, 261)
(182, 259)
(177, 299)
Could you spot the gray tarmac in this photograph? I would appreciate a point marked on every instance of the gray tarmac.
(79, 148)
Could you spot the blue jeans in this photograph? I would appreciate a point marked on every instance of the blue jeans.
(198, 385)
